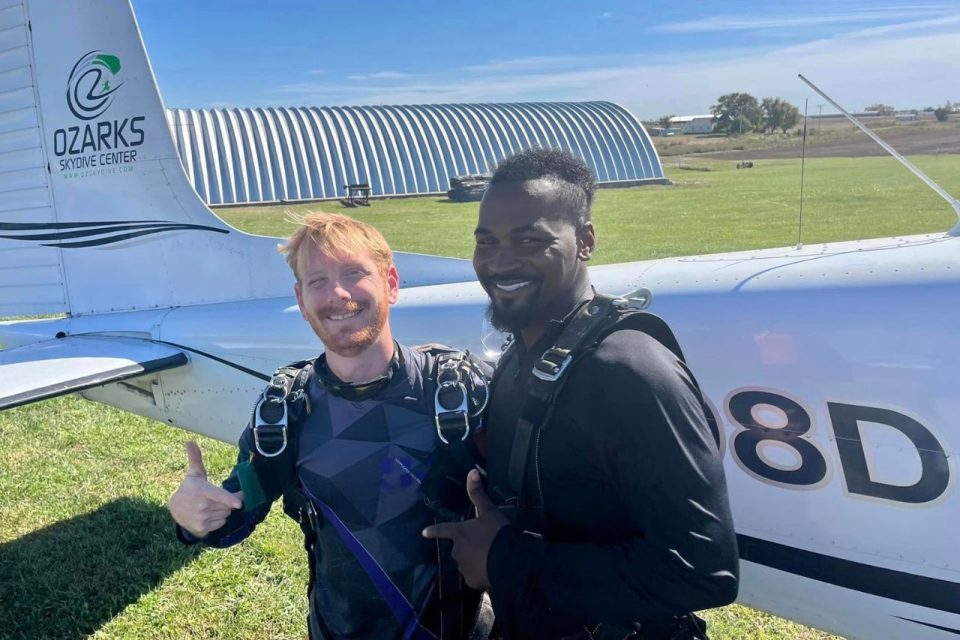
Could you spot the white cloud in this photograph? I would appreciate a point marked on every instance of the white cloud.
(905, 65)
(606, 14)
(742, 23)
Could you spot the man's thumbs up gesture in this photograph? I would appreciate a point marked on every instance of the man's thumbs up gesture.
(472, 539)
(198, 506)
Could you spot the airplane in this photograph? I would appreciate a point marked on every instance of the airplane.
(831, 368)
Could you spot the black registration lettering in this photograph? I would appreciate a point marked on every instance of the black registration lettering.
(813, 466)
(935, 470)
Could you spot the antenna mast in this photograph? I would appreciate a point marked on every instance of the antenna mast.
(909, 165)
(803, 158)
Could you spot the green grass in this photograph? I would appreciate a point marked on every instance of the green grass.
(722, 209)
(86, 545)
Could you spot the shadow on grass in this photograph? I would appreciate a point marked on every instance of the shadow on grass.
(67, 580)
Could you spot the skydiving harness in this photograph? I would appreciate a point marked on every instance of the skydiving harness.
(581, 336)
(460, 393)
(457, 383)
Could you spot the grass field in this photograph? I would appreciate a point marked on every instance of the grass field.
(711, 207)
(86, 545)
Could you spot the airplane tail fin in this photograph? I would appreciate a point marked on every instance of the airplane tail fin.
(96, 214)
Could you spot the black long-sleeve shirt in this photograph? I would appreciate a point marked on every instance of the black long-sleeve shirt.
(638, 526)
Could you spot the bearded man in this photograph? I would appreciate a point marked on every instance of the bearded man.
(357, 459)
(604, 513)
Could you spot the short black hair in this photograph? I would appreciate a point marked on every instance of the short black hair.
(569, 170)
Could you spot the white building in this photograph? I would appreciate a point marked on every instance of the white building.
(693, 124)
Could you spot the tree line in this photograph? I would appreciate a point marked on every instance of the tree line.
(738, 113)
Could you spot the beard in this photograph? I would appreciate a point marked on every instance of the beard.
(349, 343)
(513, 316)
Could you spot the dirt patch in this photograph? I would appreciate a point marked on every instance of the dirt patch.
(906, 141)
(832, 140)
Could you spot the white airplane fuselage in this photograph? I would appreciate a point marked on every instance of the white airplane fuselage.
(830, 369)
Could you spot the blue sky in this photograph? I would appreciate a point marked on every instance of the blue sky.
(652, 57)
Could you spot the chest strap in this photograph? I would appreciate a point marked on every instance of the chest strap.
(545, 384)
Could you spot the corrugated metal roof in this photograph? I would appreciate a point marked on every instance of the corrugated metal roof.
(283, 154)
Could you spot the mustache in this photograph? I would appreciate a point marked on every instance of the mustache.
(350, 306)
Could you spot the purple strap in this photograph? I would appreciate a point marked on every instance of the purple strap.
(398, 603)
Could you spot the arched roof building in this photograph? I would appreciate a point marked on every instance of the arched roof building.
(280, 154)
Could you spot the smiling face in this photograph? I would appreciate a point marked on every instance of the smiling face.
(345, 299)
(530, 257)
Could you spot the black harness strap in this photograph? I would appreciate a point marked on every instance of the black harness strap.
(545, 383)
(454, 405)
(460, 394)
(590, 323)
(276, 428)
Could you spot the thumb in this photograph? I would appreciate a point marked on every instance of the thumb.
(478, 494)
(195, 461)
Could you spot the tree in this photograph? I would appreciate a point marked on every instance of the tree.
(941, 114)
(779, 114)
(736, 113)
(882, 109)
(665, 121)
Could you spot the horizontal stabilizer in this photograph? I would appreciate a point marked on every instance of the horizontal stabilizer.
(57, 367)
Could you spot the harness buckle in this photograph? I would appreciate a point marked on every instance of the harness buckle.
(552, 364)
(270, 425)
(448, 418)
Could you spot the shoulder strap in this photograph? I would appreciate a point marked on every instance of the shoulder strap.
(271, 416)
(276, 422)
(591, 323)
(457, 387)
(548, 378)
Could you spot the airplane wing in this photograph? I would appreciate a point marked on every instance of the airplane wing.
(57, 367)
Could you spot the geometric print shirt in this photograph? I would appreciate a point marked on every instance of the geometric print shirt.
(361, 464)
